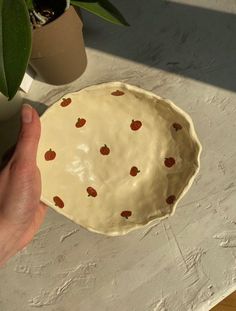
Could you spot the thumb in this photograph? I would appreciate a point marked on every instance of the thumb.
(26, 149)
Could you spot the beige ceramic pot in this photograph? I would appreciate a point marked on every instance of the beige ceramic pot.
(58, 52)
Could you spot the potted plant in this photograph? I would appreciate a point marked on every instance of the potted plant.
(48, 35)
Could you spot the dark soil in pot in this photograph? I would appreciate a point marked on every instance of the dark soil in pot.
(49, 9)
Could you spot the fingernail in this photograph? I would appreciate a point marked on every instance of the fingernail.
(27, 113)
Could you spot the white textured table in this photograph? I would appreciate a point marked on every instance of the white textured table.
(187, 262)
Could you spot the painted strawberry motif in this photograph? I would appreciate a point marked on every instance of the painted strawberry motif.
(171, 199)
(104, 150)
(80, 122)
(58, 202)
(50, 155)
(66, 102)
(134, 171)
(177, 126)
(169, 162)
(126, 214)
(117, 93)
(135, 125)
(91, 192)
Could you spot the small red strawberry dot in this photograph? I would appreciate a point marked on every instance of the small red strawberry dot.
(58, 202)
(177, 126)
(171, 199)
(126, 214)
(91, 192)
(169, 162)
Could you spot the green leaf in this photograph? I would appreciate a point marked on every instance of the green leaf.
(29, 4)
(15, 44)
(104, 9)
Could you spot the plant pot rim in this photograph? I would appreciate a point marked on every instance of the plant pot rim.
(52, 23)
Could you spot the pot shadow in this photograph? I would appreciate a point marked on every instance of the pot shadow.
(191, 41)
(9, 131)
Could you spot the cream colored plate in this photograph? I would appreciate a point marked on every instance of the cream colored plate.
(113, 157)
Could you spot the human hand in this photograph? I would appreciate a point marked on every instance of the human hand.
(21, 212)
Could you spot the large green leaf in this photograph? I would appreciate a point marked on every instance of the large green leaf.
(102, 8)
(29, 4)
(15, 44)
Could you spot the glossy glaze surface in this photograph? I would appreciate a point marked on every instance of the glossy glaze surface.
(114, 157)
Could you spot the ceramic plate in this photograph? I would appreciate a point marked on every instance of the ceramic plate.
(114, 157)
